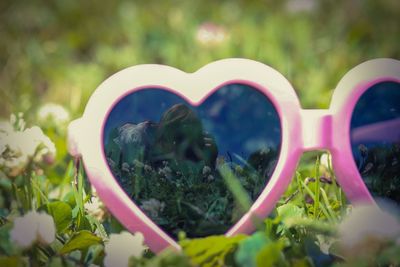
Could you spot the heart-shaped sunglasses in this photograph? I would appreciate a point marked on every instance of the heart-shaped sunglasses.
(154, 140)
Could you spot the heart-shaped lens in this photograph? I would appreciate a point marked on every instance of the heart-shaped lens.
(167, 155)
(375, 139)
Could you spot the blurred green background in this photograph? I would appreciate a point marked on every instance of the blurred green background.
(59, 51)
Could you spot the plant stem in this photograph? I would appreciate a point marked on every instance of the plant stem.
(300, 188)
(317, 185)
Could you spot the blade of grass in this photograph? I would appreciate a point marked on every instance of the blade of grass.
(77, 187)
(239, 193)
(40, 196)
(300, 188)
(234, 186)
(333, 178)
(338, 189)
(328, 206)
(317, 185)
(68, 173)
(311, 224)
(310, 192)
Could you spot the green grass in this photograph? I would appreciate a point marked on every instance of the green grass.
(61, 51)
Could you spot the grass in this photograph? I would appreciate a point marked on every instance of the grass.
(59, 53)
(81, 232)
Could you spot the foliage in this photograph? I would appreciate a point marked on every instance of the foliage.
(380, 168)
(297, 233)
(51, 52)
(58, 52)
(211, 251)
(167, 258)
(184, 195)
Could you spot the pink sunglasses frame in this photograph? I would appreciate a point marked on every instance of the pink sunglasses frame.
(302, 130)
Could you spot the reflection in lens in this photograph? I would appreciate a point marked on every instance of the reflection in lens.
(375, 139)
(166, 154)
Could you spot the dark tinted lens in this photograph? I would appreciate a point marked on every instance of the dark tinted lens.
(375, 139)
(166, 154)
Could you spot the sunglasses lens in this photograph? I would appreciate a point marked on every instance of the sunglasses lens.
(375, 139)
(167, 154)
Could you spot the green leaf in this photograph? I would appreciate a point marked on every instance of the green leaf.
(58, 261)
(288, 210)
(80, 241)
(61, 213)
(10, 261)
(94, 253)
(84, 223)
(5, 182)
(286, 213)
(315, 226)
(272, 255)
(249, 248)
(389, 256)
(95, 224)
(6, 245)
(167, 258)
(211, 251)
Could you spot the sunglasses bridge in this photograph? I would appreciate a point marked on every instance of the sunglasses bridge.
(316, 125)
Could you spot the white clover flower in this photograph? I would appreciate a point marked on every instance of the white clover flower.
(121, 247)
(138, 164)
(325, 160)
(39, 144)
(325, 243)
(166, 172)
(147, 168)
(210, 34)
(125, 167)
(18, 147)
(206, 170)
(6, 127)
(32, 227)
(152, 207)
(17, 121)
(297, 6)
(5, 130)
(95, 208)
(54, 112)
(367, 222)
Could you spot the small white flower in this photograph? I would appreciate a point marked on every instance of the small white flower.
(325, 160)
(125, 167)
(166, 172)
(152, 207)
(36, 143)
(6, 127)
(95, 208)
(5, 130)
(297, 6)
(210, 34)
(148, 168)
(53, 112)
(32, 227)
(121, 247)
(206, 170)
(138, 164)
(18, 147)
(367, 221)
(325, 243)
